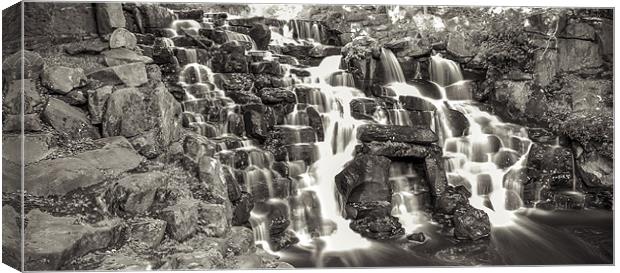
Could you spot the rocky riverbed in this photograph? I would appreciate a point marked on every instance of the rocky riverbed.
(203, 136)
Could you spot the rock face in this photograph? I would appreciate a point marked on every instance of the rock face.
(62, 175)
(365, 179)
(68, 120)
(51, 241)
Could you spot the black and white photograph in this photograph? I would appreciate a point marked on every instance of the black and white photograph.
(210, 135)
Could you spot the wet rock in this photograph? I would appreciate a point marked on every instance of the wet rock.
(416, 104)
(147, 231)
(92, 46)
(120, 56)
(12, 101)
(541, 135)
(365, 179)
(359, 210)
(182, 218)
(457, 122)
(218, 36)
(285, 135)
(267, 67)
(210, 173)
(242, 208)
(131, 75)
(32, 65)
(316, 122)
(109, 17)
(133, 194)
(416, 237)
(396, 133)
(320, 51)
(190, 14)
(68, 120)
(449, 201)
(283, 240)
(51, 241)
(277, 95)
(257, 122)
(230, 58)
(62, 79)
(435, 172)
(410, 46)
(261, 34)
(393, 149)
(363, 108)
(471, 223)
(213, 220)
(62, 175)
(162, 51)
(383, 228)
(97, 100)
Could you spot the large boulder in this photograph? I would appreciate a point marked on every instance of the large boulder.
(68, 120)
(595, 170)
(61, 79)
(365, 179)
(133, 194)
(110, 16)
(182, 218)
(471, 223)
(52, 241)
(378, 228)
(396, 133)
(125, 114)
(62, 175)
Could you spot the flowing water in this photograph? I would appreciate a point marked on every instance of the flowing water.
(488, 157)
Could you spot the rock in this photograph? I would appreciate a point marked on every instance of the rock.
(461, 45)
(316, 122)
(75, 98)
(396, 133)
(458, 123)
(125, 259)
(514, 93)
(156, 16)
(267, 67)
(97, 100)
(416, 237)
(448, 202)
(359, 210)
(62, 175)
(109, 17)
(210, 173)
(283, 240)
(230, 58)
(471, 223)
(196, 260)
(416, 104)
(213, 220)
(410, 46)
(125, 114)
(578, 30)
(240, 240)
(595, 170)
(384, 228)
(131, 75)
(61, 79)
(261, 34)
(393, 149)
(575, 55)
(365, 179)
(32, 66)
(36, 147)
(120, 56)
(68, 120)
(11, 237)
(12, 101)
(182, 218)
(320, 51)
(257, 122)
(133, 194)
(549, 166)
(122, 38)
(51, 241)
(163, 51)
(435, 172)
(92, 46)
(147, 231)
(242, 208)
(13, 123)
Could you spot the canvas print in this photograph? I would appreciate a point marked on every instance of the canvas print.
(196, 136)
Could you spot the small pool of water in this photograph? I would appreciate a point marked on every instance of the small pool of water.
(536, 238)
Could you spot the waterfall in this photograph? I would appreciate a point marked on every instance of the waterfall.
(391, 68)
(235, 36)
(487, 157)
(303, 30)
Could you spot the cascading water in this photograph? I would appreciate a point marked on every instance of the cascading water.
(235, 36)
(487, 157)
(392, 70)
